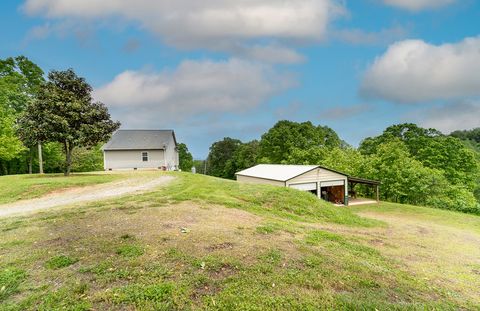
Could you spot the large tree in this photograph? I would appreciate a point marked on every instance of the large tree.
(283, 137)
(185, 158)
(20, 81)
(66, 113)
(433, 149)
(220, 153)
(245, 156)
(10, 145)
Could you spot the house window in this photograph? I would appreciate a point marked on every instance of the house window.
(145, 156)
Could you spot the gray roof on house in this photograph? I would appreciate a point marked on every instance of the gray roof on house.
(140, 140)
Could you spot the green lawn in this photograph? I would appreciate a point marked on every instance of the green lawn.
(17, 187)
(203, 243)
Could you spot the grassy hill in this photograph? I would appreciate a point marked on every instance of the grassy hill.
(206, 243)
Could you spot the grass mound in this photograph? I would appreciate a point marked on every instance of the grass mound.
(263, 200)
(203, 243)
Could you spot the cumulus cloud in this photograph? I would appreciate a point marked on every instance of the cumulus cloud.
(414, 71)
(462, 115)
(194, 88)
(418, 5)
(213, 24)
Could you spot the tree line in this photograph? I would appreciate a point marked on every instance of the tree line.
(415, 165)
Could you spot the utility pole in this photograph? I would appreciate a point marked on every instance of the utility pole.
(40, 157)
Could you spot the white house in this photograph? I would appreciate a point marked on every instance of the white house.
(328, 184)
(141, 149)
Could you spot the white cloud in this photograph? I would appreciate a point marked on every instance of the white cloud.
(418, 5)
(415, 71)
(212, 24)
(195, 88)
(448, 118)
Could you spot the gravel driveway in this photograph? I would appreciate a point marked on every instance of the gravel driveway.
(81, 195)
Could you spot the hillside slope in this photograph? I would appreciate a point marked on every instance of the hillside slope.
(207, 243)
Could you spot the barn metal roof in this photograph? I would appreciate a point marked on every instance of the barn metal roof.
(281, 172)
(277, 171)
(139, 140)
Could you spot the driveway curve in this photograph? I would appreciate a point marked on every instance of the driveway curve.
(82, 195)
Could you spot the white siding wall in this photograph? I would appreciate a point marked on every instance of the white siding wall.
(171, 155)
(319, 175)
(129, 159)
(254, 180)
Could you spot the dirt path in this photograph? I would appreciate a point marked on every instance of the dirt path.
(81, 195)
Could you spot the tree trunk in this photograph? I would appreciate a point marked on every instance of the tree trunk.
(30, 160)
(4, 168)
(68, 162)
(40, 158)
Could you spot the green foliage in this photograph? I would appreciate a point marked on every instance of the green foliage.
(87, 159)
(10, 144)
(10, 280)
(244, 156)
(406, 180)
(346, 160)
(153, 297)
(433, 150)
(60, 261)
(471, 135)
(220, 153)
(185, 158)
(130, 251)
(65, 113)
(283, 137)
(422, 166)
(20, 80)
(200, 166)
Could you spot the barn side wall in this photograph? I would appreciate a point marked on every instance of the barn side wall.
(254, 180)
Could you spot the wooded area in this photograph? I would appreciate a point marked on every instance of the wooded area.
(415, 165)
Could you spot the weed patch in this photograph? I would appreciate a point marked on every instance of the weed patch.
(130, 251)
(61, 261)
(153, 297)
(10, 280)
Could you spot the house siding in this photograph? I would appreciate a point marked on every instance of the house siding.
(129, 159)
(171, 155)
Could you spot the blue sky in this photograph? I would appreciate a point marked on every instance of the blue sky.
(216, 68)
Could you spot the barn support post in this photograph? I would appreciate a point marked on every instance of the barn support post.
(378, 193)
(345, 192)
